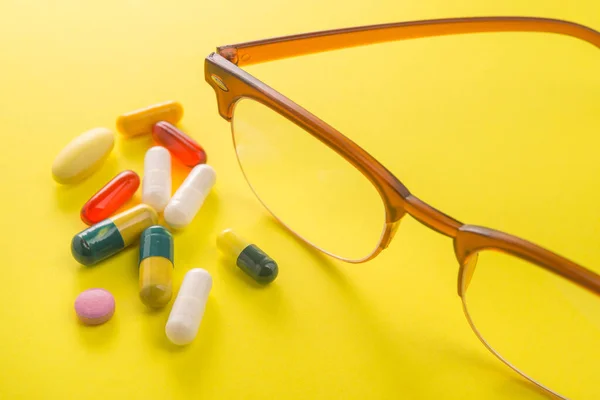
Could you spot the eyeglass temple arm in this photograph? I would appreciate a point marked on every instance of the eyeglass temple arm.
(308, 43)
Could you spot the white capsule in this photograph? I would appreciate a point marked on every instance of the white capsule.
(188, 307)
(156, 185)
(188, 199)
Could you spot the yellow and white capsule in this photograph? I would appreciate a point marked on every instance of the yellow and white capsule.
(248, 257)
(112, 235)
(156, 266)
(141, 121)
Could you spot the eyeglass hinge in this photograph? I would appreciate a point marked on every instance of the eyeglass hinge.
(229, 53)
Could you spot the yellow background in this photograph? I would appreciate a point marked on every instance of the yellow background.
(498, 130)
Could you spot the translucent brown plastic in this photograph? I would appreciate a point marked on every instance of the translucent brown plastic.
(308, 43)
(231, 83)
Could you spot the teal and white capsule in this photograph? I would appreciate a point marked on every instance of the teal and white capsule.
(249, 258)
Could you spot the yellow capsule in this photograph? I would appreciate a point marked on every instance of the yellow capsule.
(156, 266)
(110, 236)
(141, 121)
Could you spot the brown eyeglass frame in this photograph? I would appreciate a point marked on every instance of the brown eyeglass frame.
(231, 84)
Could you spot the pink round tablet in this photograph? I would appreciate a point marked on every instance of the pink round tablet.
(95, 306)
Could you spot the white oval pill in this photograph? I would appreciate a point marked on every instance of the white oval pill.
(188, 308)
(83, 155)
(156, 184)
(188, 199)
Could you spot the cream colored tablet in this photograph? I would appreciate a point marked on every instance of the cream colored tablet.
(83, 155)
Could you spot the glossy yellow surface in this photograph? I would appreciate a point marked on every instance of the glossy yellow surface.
(141, 121)
(493, 129)
(83, 155)
(156, 281)
(131, 223)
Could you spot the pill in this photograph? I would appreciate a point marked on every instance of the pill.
(94, 306)
(156, 266)
(83, 155)
(179, 144)
(188, 199)
(156, 184)
(108, 237)
(113, 195)
(141, 121)
(249, 258)
(188, 308)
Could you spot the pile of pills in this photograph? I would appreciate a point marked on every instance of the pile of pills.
(108, 233)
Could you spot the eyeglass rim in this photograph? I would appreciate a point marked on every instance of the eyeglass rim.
(231, 83)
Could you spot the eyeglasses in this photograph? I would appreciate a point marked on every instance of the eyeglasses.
(536, 311)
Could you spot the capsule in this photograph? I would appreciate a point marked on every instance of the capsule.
(179, 144)
(156, 184)
(188, 308)
(156, 266)
(83, 156)
(141, 121)
(113, 195)
(188, 199)
(108, 237)
(252, 260)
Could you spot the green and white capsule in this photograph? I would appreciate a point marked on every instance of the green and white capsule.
(252, 260)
